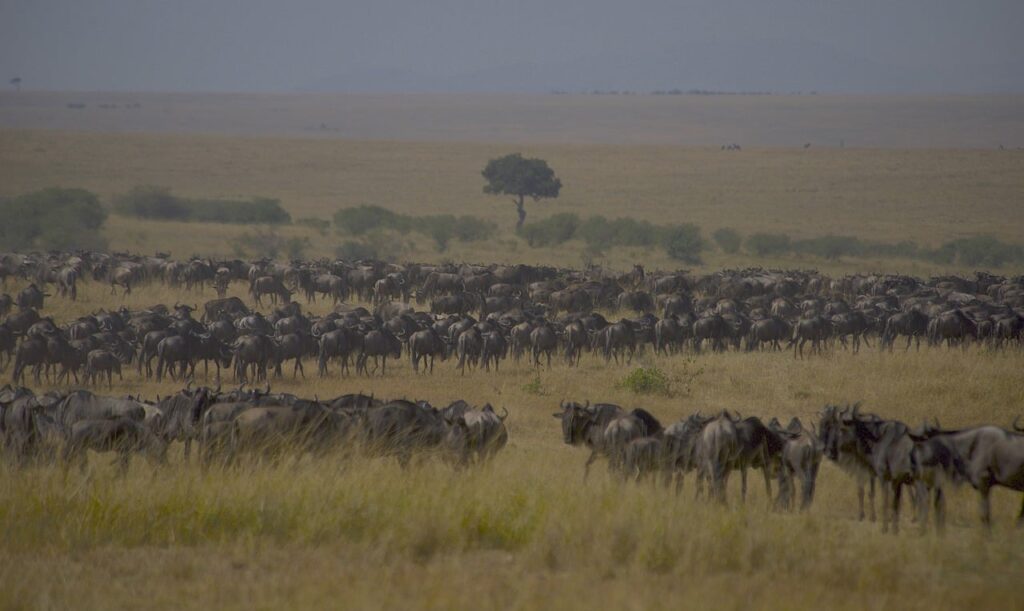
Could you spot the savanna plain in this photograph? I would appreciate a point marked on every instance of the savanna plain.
(525, 531)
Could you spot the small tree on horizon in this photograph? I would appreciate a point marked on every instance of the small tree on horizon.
(16, 81)
(521, 178)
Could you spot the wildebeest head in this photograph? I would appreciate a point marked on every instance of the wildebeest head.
(575, 418)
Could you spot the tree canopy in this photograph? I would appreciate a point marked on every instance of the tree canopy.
(52, 218)
(521, 177)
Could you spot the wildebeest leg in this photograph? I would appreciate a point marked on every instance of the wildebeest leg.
(940, 510)
(767, 485)
(188, 448)
(860, 497)
(886, 515)
(586, 466)
(743, 485)
(897, 494)
(871, 496)
(123, 459)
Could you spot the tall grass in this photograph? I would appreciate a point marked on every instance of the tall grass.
(525, 531)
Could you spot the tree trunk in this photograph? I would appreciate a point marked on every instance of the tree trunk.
(522, 214)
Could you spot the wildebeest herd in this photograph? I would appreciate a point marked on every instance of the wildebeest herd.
(252, 424)
(232, 425)
(926, 460)
(476, 315)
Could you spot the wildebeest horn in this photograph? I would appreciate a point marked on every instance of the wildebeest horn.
(738, 415)
(217, 391)
(587, 406)
(1017, 428)
(856, 410)
(188, 387)
(561, 404)
(241, 387)
(502, 418)
(267, 391)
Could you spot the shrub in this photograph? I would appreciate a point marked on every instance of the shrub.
(728, 240)
(683, 243)
(360, 219)
(353, 249)
(269, 243)
(53, 218)
(473, 229)
(985, 250)
(551, 231)
(829, 247)
(647, 381)
(150, 202)
(768, 244)
(158, 203)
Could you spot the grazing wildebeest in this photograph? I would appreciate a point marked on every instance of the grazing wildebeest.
(543, 340)
(125, 436)
(255, 351)
(98, 362)
(885, 447)
(493, 349)
(815, 329)
(475, 435)
(757, 447)
(769, 331)
(468, 347)
(425, 345)
(379, 344)
(32, 353)
(845, 456)
(269, 285)
(912, 324)
(401, 428)
(339, 343)
(801, 459)
(717, 449)
(30, 297)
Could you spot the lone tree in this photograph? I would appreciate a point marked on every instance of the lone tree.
(16, 81)
(521, 178)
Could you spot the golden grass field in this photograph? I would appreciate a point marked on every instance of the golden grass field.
(929, 196)
(526, 532)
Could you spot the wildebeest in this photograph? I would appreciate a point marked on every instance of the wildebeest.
(401, 428)
(717, 449)
(475, 435)
(800, 460)
(425, 345)
(269, 285)
(98, 362)
(378, 344)
(122, 435)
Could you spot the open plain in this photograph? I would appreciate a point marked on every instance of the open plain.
(525, 531)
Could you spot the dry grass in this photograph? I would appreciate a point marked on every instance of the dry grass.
(929, 196)
(525, 531)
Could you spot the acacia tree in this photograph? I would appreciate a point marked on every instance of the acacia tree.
(521, 178)
(16, 81)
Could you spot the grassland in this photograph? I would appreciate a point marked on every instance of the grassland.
(524, 532)
(929, 196)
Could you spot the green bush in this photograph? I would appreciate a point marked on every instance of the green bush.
(985, 250)
(684, 243)
(762, 244)
(269, 243)
(728, 240)
(358, 220)
(551, 231)
(151, 202)
(829, 247)
(158, 203)
(53, 219)
(647, 381)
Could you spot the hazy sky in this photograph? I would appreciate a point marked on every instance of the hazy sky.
(514, 45)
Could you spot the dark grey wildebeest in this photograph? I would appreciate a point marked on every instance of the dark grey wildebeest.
(124, 436)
